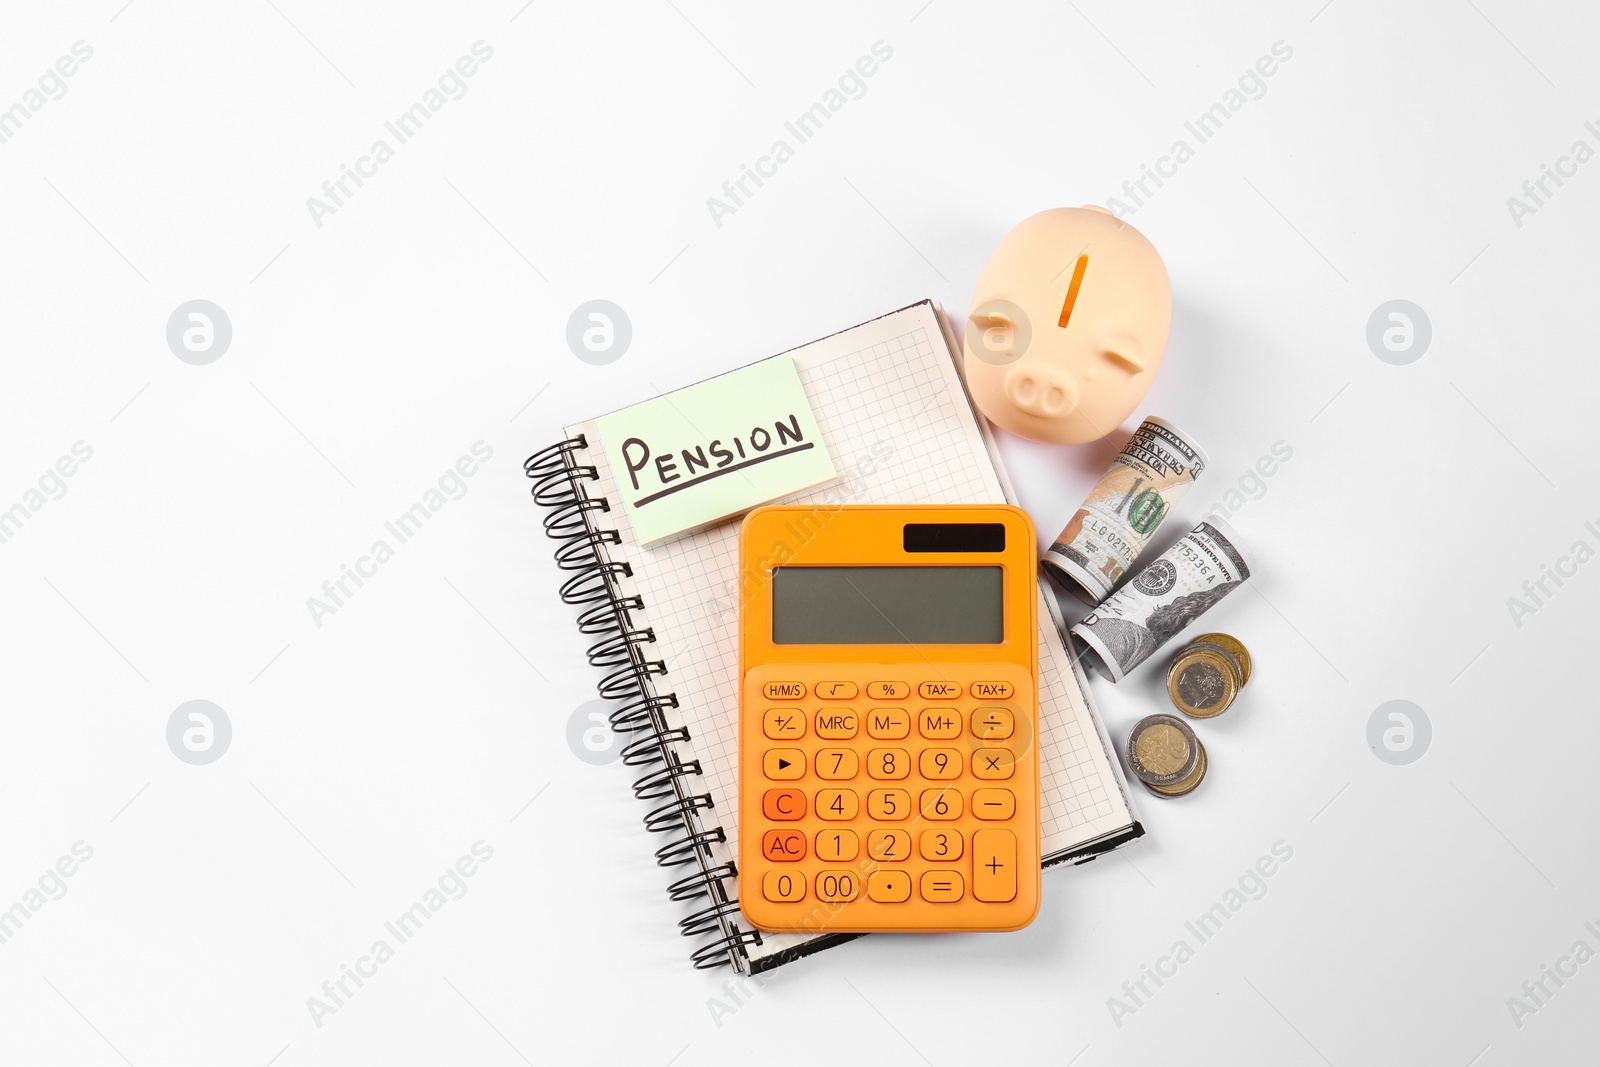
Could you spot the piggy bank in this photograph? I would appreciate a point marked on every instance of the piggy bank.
(1068, 325)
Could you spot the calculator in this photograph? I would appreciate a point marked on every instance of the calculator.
(888, 712)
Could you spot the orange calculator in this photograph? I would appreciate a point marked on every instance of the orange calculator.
(888, 709)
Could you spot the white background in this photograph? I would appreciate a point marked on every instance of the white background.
(429, 312)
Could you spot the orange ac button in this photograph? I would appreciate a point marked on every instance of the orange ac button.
(783, 846)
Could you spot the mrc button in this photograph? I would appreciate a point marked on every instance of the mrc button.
(784, 690)
(837, 724)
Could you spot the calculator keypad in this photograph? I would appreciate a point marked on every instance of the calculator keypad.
(885, 791)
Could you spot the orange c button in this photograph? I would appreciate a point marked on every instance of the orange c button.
(783, 805)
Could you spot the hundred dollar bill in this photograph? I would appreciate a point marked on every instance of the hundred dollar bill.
(1153, 470)
(1203, 567)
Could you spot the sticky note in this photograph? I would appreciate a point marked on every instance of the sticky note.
(715, 449)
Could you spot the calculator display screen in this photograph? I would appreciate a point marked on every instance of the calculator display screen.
(887, 606)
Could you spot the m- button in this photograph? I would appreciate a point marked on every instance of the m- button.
(939, 690)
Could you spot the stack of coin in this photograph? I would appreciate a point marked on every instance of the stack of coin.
(1207, 674)
(1166, 755)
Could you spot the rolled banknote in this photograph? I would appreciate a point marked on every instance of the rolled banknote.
(1204, 566)
(1125, 508)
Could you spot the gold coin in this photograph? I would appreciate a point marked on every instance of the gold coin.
(1162, 749)
(1202, 682)
(1233, 645)
(1187, 785)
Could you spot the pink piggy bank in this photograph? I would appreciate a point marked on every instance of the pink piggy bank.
(1068, 325)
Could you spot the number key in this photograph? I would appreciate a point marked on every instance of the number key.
(837, 805)
(941, 763)
(940, 805)
(837, 887)
(835, 764)
(888, 763)
(889, 846)
(940, 845)
(888, 805)
(784, 887)
(837, 846)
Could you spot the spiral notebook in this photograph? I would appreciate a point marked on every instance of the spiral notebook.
(901, 428)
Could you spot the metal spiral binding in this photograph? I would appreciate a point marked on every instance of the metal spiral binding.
(607, 615)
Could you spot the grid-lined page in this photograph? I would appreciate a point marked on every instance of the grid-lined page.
(900, 430)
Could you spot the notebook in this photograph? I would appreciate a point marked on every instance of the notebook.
(900, 427)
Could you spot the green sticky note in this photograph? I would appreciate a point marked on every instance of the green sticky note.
(715, 449)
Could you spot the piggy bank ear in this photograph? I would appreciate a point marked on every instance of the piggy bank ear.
(1125, 351)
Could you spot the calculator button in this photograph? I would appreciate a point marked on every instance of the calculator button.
(888, 763)
(783, 887)
(889, 887)
(888, 805)
(993, 724)
(888, 690)
(837, 846)
(784, 724)
(993, 804)
(940, 763)
(939, 691)
(837, 887)
(888, 724)
(837, 690)
(889, 846)
(940, 846)
(784, 690)
(993, 763)
(835, 764)
(783, 764)
(836, 724)
(942, 887)
(784, 805)
(991, 690)
(994, 865)
(783, 846)
(837, 805)
(940, 805)
(939, 724)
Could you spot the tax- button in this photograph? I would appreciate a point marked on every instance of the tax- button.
(784, 805)
(836, 690)
(784, 690)
(994, 865)
(783, 764)
(942, 887)
(992, 690)
(784, 724)
(783, 846)
(993, 724)
(888, 690)
(939, 690)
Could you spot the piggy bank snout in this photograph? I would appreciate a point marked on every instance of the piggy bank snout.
(1040, 389)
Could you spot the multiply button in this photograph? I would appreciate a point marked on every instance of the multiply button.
(992, 724)
(784, 691)
(994, 865)
(783, 805)
(783, 764)
(942, 887)
(888, 690)
(939, 690)
(783, 846)
(836, 690)
(993, 763)
(784, 724)
(939, 724)
(992, 690)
